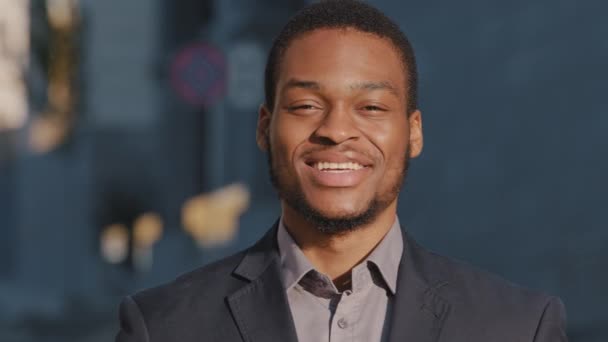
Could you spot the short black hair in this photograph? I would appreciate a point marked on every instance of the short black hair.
(341, 14)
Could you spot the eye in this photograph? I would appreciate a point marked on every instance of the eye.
(373, 108)
(303, 109)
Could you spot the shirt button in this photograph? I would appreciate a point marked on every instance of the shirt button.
(342, 323)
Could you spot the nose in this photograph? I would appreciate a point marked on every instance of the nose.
(336, 127)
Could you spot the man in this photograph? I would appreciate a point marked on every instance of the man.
(340, 123)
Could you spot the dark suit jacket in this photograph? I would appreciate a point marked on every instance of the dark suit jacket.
(241, 298)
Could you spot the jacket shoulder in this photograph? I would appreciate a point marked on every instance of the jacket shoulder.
(200, 291)
(189, 308)
(213, 277)
(467, 284)
(478, 298)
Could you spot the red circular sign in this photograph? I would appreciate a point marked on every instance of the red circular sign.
(198, 74)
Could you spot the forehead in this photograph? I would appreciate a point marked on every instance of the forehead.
(344, 54)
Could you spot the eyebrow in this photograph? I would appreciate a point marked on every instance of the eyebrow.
(296, 83)
(365, 85)
(382, 85)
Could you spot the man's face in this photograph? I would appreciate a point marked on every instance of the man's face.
(339, 137)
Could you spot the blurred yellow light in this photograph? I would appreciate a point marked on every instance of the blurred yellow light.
(14, 59)
(114, 243)
(212, 219)
(62, 13)
(147, 229)
(47, 132)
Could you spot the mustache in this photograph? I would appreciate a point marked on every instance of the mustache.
(345, 148)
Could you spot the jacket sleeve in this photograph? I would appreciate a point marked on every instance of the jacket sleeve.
(552, 325)
(132, 324)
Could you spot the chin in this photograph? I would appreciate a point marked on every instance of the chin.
(337, 206)
(338, 213)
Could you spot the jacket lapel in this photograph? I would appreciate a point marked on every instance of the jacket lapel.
(260, 308)
(417, 312)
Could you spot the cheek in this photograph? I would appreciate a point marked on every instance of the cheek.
(286, 136)
(283, 145)
(391, 139)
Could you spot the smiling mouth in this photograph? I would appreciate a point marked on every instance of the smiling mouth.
(336, 167)
(334, 174)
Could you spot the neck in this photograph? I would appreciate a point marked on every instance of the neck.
(336, 254)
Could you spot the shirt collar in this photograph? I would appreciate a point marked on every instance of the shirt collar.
(294, 263)
(386, 256)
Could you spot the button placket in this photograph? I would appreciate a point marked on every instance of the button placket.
(342, 325)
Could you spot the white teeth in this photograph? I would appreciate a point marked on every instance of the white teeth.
(338, 166)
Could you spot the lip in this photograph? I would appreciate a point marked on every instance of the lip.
(337, 179)
(334, 157)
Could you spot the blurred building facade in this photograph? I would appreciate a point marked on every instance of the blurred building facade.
(511, 179)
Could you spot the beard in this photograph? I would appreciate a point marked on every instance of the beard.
(333, 225)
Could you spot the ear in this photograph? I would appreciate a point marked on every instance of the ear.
(261, 134)
(416, 138)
